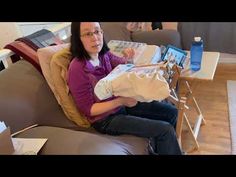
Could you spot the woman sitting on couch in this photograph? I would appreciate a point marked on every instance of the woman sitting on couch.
(91, 62)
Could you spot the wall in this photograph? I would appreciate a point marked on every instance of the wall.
(8, 33)
(28, 28)
(170, 25)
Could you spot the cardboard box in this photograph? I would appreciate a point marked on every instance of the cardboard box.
(6, 145)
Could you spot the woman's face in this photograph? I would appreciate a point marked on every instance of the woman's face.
(91, 36)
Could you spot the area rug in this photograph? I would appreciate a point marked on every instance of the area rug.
(231, 88)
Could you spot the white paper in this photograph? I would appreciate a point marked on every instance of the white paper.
(2, 127)
(117, 47)
(28, 146)
(144, 54)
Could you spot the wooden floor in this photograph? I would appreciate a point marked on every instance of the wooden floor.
(214, 137)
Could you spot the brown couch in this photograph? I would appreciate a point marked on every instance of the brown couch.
(26, 99)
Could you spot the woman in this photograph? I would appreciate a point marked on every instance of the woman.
(91, 62)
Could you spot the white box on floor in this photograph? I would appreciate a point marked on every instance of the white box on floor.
(6, 145)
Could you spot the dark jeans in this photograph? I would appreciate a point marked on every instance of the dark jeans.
(155, 120)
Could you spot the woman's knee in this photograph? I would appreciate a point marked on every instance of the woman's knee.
(168, 130)
(172, 115)
(173, 111)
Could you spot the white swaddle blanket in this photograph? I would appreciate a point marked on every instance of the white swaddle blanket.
(144, 84)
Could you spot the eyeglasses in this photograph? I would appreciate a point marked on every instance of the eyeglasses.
(90, 34)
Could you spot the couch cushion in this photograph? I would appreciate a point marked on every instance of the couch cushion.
(64, 141)
(59, 66)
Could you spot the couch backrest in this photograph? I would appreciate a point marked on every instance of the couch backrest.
(158, 37)
(118, 31)
(115, 31)
(217, 36)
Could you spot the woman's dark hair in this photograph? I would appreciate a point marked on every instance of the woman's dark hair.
(77, 48)
(156, 25)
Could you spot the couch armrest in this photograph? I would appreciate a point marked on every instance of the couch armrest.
(158, 37)
(26, 99)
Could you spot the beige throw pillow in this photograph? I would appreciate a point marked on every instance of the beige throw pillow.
(55, 74)
(59, 67)
(45, 55)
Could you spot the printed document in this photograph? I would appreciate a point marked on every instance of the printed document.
(28, 146)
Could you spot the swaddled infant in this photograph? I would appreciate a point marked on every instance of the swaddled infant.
(144, 84)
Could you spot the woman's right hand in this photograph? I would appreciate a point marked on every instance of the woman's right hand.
(125, 101)
(129, 53)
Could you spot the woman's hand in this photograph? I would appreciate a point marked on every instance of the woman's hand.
(103, 107)
(128, 53)
(125, 101)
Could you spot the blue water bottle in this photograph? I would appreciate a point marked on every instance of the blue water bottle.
(196, 54)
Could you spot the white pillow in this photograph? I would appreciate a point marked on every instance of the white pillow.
(45, 55)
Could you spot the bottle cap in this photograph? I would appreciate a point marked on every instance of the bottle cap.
(197, 39)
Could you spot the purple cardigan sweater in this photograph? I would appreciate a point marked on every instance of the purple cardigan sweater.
(82, 78)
